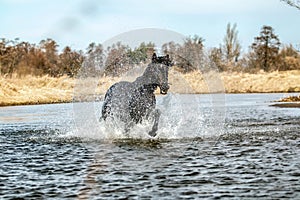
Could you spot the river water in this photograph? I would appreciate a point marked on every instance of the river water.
(232, 147)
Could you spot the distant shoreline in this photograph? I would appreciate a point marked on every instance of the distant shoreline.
(31, 90)
(286, 105)
(288, 102)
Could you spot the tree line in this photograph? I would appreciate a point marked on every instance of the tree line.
(266, 53)
(23, 58)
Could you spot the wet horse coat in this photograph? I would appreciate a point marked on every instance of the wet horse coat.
(132, 102)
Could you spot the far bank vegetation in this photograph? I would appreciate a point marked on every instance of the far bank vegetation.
(267, 54)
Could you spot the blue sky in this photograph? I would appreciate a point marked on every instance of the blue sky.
(77, 23)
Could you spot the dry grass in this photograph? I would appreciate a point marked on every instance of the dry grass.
(290, 99)
(35, 90)
(262, 82)
(234, 82)
(288, 102)
(38, 90)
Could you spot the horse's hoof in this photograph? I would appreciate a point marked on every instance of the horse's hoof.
(152, 133)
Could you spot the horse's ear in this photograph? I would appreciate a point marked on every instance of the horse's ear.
(168, 61)
(154, 57)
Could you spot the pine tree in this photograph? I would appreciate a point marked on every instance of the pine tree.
(266, 48)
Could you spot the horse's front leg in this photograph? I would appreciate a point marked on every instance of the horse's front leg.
(155, 114)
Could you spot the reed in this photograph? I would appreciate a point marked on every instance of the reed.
(35, 90)
(290, 99)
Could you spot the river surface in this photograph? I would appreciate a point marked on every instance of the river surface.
(233, 146)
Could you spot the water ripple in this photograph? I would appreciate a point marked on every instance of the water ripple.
(256, 158)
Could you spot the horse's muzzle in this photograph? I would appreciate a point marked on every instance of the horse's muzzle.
(164, 88)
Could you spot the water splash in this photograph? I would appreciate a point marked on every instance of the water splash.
(182, 116)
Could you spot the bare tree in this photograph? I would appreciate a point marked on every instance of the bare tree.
(289, 58)
(70, 62)
(231, 47)
(296, 4)
(117, 59)
(170, 48)
(215, 56)
(293, 3)
(49, 48)
(190, 54)
(10, 55)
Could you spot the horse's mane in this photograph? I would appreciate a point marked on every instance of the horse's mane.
(161, 60)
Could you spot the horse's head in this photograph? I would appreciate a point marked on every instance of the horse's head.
(158, 71)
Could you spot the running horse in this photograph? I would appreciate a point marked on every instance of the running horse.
(133, 102)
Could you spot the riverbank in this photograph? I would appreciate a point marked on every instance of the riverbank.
(35, 90)
(288, 102)
(40, 90)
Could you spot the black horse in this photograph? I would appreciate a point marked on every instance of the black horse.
(132, 102)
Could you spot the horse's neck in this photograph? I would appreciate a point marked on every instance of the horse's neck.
(141, 80)
(144, 82)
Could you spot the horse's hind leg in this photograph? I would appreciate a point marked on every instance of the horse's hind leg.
(156, 114)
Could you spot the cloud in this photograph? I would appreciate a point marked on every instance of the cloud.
(193, 7)
(79, 22)
(82, 31)
(113, 24)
